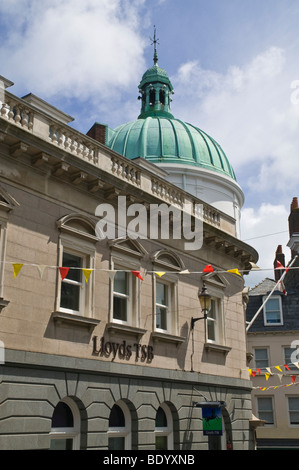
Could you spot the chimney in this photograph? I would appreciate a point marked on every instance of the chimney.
(279, 256)
(98, 132)
(294, 227)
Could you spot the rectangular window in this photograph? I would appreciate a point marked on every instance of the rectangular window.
(162, 306)
(212, 322)
(122, 296)
(261, 358)
(265, 409)
(294, 410)
(72, 287)
(273, 311)
(288, 358)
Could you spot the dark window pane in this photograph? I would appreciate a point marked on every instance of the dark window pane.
(61, 444)
(121, 282)
(161, 420)
(62, 416)
(72, 261)
(70, 295)
(116, 443)
(161, 442)
(117, 418)
(119, 308)
(161, 318)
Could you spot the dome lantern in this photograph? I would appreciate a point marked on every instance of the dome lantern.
(155, 89)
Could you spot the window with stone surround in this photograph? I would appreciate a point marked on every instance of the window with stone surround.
(7, 205)
(76, 251)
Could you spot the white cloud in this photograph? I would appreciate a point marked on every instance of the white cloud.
(265, 228)
(78, 49)
(248, 110)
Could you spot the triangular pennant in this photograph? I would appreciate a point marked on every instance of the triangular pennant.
(249, 372)
(277, 367)
(287, 367)
(87, 273)
(185, 271)
(41, 270)
(111, 274)
(16, 268)
(63, 272)
(160, 273)
(253, 373)
(235, 271)
(267, 375)
(280, 377)
(293, 377)
(269, 370)
(259, 371)
(137, 274)
(296, 364)
(208, 269)
(279, 265)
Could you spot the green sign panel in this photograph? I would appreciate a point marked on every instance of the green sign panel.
(212, 421)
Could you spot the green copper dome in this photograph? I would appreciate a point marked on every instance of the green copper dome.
(169, 140)
(160, 138)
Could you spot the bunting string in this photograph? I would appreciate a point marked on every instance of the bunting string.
(64, 270)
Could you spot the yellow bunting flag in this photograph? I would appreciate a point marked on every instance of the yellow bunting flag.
(235, 271)
(159, 273)
(16, 268)
(277, 367)
(267, 375)
(87, 273)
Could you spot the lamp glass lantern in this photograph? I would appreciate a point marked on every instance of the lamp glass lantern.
(205, 303)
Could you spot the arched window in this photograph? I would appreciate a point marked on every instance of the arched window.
(164, 428)
(65, 427)
(119, 433)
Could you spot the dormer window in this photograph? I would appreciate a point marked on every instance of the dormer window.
(273, 311)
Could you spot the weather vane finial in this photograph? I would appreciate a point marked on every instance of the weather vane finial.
(155, 42)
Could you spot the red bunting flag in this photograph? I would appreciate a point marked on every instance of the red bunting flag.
(293, 377)
(287, 367)
(137, 274)
(253, 373)
(208, 269)
(64, 272)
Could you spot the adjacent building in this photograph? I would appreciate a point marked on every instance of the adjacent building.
(95, 323)
(273, 340)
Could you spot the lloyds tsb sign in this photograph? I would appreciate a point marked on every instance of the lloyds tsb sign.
(123, 350)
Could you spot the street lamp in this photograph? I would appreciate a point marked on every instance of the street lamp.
(205, 303)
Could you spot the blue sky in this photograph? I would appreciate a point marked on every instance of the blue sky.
(232, 64)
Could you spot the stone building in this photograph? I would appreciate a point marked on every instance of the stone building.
(273, 346)
(97, 346)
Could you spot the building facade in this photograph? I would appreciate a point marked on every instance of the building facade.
(273, 346)
(97, 346)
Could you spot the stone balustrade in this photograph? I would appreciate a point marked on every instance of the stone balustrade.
(35, 121)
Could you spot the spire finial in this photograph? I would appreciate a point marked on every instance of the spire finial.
(155, 42)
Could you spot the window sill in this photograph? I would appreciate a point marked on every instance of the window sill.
(217, 348)
(3, 303)
(167, 338)
(114, 328)
(75, 320)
